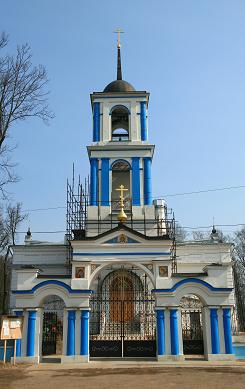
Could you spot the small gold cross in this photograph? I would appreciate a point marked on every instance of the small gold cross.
(118, 31)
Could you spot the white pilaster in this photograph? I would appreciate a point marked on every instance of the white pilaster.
(65, 331)
(221, 331)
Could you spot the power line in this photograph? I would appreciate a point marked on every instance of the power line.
(42, 232)
(204, 191)
(42, 209)
(159, 196)
(211, 226)
(184, 227)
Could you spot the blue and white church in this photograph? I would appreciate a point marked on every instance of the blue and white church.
(119, 286)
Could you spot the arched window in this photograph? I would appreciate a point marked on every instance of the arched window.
(121, 176)
(120, 124)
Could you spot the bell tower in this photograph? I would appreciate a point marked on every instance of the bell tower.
(120, 153)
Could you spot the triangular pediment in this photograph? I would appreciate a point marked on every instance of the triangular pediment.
(121, 234)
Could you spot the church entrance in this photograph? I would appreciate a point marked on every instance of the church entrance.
(122, 320)
(192, 325)
(52, 334)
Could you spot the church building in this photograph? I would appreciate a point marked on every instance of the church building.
(119, 286)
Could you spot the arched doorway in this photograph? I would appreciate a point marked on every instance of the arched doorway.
(121, 288)
(52, 331)
(192, 325)
(122, 321)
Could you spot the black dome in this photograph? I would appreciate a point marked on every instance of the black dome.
(119, 86)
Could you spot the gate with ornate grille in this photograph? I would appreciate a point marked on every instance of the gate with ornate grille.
(52, 331)
(49, 333)
(122, 320)
(192, 331)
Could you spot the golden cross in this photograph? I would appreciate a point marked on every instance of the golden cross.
(121, 189)
(118, 31)
(122, 217)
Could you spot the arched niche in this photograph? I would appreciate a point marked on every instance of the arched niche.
(119, 124)
(121, 176)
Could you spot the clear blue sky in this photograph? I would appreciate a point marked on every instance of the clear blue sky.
(189, 54)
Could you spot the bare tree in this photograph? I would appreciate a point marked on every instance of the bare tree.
(23, 94)
(10, 219)
(180, 233)
(216, 235)
(239, 242)
(7, 174)
(239, 276)
(200, 235)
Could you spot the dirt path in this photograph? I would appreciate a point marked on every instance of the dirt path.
(167, 377)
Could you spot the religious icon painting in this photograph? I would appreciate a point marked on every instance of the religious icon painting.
(122, 238)
(80, 272)
(163, 271)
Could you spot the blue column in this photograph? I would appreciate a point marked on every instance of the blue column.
(18, 341)
(143, 122)
(147, 181)
(93, 181)
(214, 322)
(136, 181)
(174, 332)
(105, 182)
(84, 332)
(31, 334)
(227, 330)
(70, 349)
(96, 124)
(160, 332)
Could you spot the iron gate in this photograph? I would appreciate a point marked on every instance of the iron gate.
(192, 331)
(52, 333)
(122, 321)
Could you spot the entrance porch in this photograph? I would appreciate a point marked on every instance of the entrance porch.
(124, 316)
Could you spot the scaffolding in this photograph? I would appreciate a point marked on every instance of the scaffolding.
(79, 226)
(77, 201)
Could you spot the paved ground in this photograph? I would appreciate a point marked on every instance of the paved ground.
(124, 376)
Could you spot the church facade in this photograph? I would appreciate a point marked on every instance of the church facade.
(119, 286)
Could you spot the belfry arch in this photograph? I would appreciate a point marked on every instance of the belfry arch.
(119, 124)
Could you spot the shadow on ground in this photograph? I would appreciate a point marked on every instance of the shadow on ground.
(9, 374)
(144, 371)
